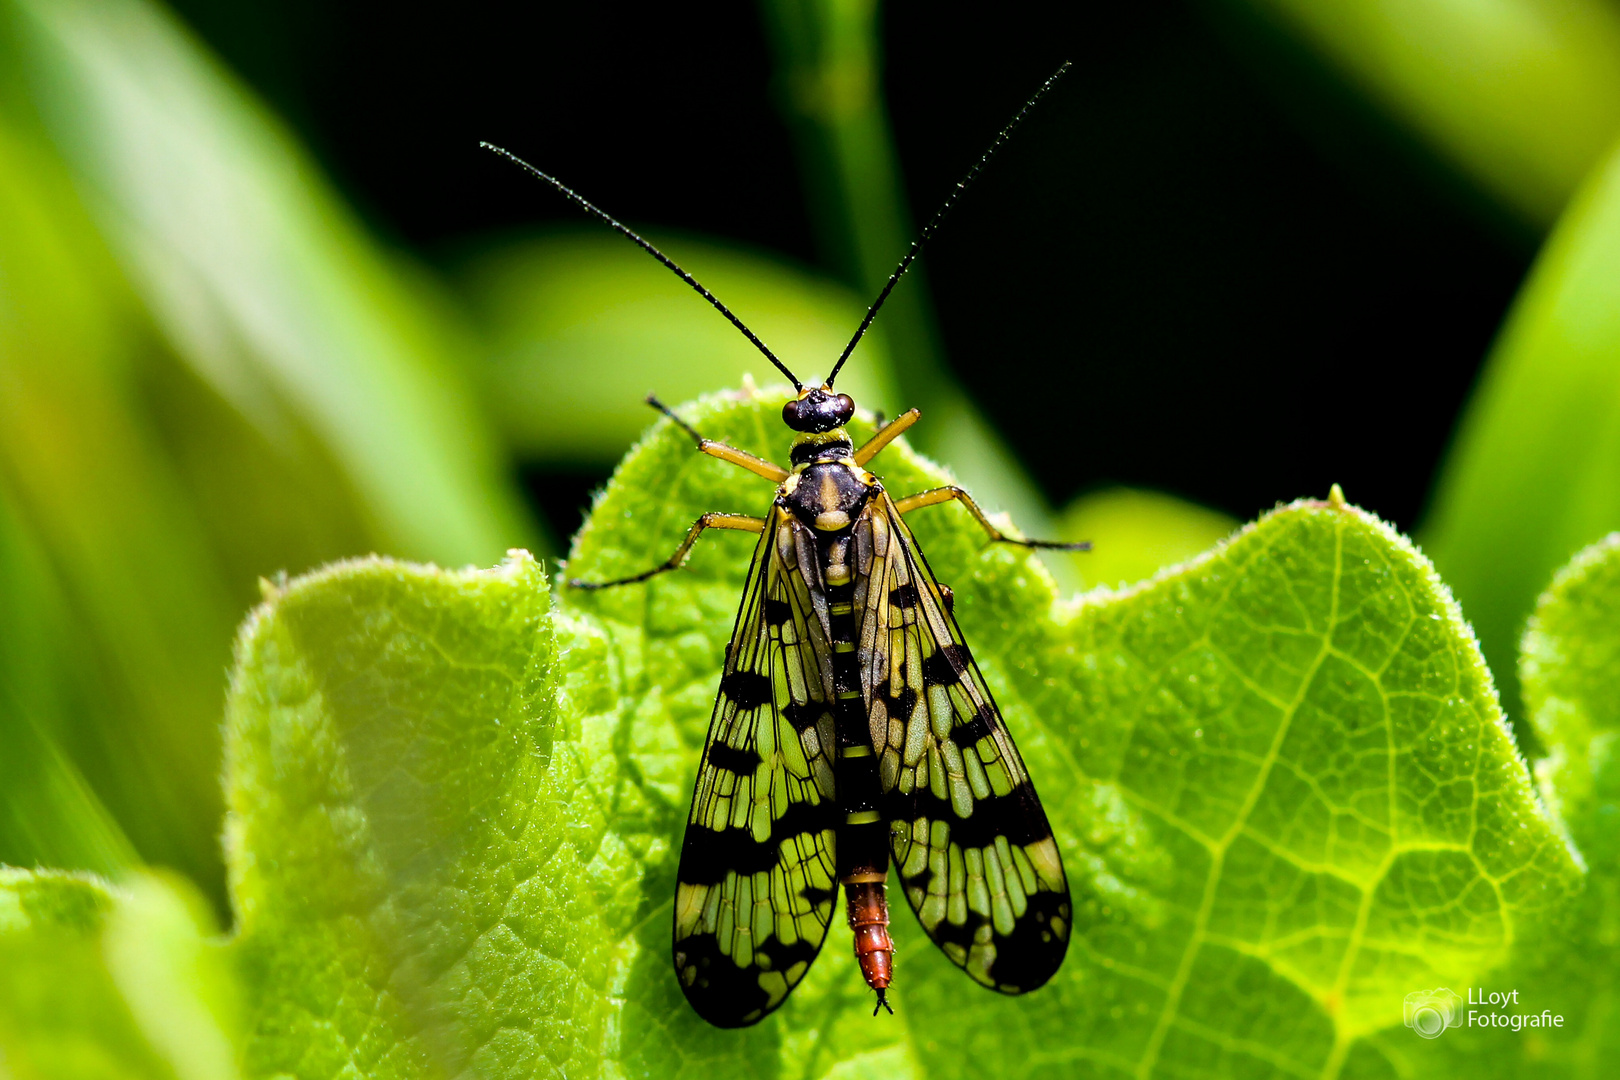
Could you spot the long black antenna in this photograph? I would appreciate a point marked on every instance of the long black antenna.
(596, 211)
(939, 215)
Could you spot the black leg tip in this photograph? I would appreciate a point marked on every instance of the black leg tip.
(1057, 545)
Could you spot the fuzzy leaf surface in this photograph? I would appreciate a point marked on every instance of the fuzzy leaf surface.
(1283, 790)
(1570, 670)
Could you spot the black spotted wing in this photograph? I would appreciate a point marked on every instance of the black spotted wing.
(757, 876)
(971, 844)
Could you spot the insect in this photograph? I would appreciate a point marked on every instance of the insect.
(852, 728)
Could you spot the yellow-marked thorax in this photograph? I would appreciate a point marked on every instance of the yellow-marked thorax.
(826, 489)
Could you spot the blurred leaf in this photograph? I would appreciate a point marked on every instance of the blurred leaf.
(1285, 795)
(258, 276)
(1571, 672)
(112, 555)
(101, 982)
(60, 1013)
(1571, 675)
(49, 815)
(208, 373)
(584, 326)
(179, 984)
(1524, 95)
(1134, 533)
(1535, 470)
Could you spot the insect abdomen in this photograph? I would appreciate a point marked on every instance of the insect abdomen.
(869, 919)
(863, 832)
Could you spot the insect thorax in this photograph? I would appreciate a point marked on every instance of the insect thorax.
(827, 490)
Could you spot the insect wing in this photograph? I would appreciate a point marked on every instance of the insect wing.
(971, 843)
(757, 875)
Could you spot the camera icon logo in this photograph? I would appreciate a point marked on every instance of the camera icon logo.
(1429, 1012)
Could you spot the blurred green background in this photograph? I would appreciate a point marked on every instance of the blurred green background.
(264, 303)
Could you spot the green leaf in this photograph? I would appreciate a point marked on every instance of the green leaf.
(1478, 82)
(1284, 792)
(1571, 673)
(412, 864)
(1570, 669)
(1571, 676)
(100, 982)
(1533, 477)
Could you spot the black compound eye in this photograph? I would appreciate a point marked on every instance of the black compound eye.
(844, 408)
